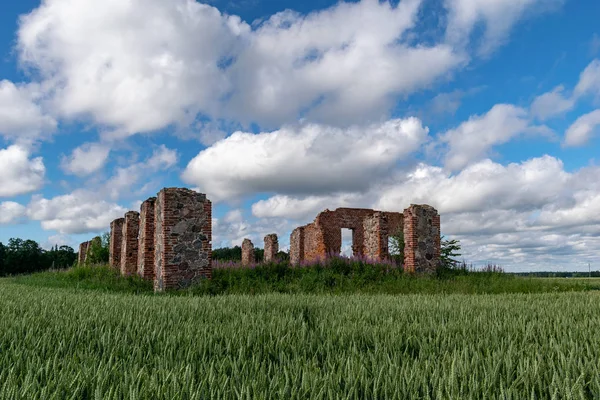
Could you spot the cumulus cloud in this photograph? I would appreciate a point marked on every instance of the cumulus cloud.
(589, 80)
(307, 159)
(498, 17)
(86, 159)
(170, 61)
(580, 132)
(11, 212)
(20, 174)
(79, 212)
(21, 117)
(472, 139)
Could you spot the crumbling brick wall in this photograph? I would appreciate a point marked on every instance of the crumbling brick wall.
(421, 238)
(323, 237)
(271, 247)
(145, 267)
(83, 248)
(182, 238)
(248, 252)
(297, 246)
(129, 247)
(116, 243)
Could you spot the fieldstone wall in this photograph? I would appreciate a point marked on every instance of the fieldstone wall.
(297, 246)
(145, 259)
(129, 248)
(421, 238)
(271, 247)
(116, 243)
(83, 248)
(182, 238)
(248, 252)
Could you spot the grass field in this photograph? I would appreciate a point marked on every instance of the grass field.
(58, 343)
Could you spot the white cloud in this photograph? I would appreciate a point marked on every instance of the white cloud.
(21, 118)
(498, 17)
(133, 66)
(86, 159)
(125, 178)
(305, 159)
(308, 207)
(472, 139)
(20, 174)
(11, 212)
(79, 212)
(169, 61)
(589, 80)
(580, 132)
(551, 104)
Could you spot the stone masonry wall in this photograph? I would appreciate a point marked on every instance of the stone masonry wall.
(82, 252)
(248, 252)
(116, 242)
(297, 246)
(271, 247)
(129, 248)
(145, 259)
(182, 238)
(421, 238)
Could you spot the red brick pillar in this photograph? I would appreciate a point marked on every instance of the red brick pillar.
(129, 248)
(182, 238)
(421, 239)
(271, 248)
(297, 246)
(248, 252)
(82, 253)
(145, 267)
(116, 242)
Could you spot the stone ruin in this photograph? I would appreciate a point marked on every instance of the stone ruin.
(371, 229)
(271, 247)
(169, 240)
(86, 249)
(248, 252)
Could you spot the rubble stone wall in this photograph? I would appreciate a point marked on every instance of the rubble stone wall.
(182, 238)
(83, 247)
(421, 239)
(297, 246)
(145, 259)
(271, 247)
(248, 252)
(129, 247)
(116, 243)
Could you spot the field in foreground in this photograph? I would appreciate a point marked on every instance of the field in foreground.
(59, 343)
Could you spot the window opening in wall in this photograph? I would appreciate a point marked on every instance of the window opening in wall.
(346, 242)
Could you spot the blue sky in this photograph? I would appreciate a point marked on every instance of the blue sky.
(277, 110)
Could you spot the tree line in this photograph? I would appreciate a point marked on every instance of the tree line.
(20, 256)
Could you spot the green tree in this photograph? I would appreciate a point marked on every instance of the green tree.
(99, 252)
(396, 247)
(449, 250)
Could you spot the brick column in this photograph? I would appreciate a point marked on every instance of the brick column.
(271, 248)
(116, 242)
(82, 253)
(129, 248)
(297, 246)
(182, 238)
(248, 252)
(421, 239)
(145, 267)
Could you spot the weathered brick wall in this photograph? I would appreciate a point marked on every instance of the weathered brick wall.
(145, 267)
(248, 252)
(116, 243)
(271, 247)
(94, 245)
(182, 238)
(82, 252)
(297, 246)
(129, 247)
(421, 238)
(324, 237)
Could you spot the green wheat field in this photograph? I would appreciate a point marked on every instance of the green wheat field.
(58, 343)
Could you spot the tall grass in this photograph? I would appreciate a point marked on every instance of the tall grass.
(60, 344)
